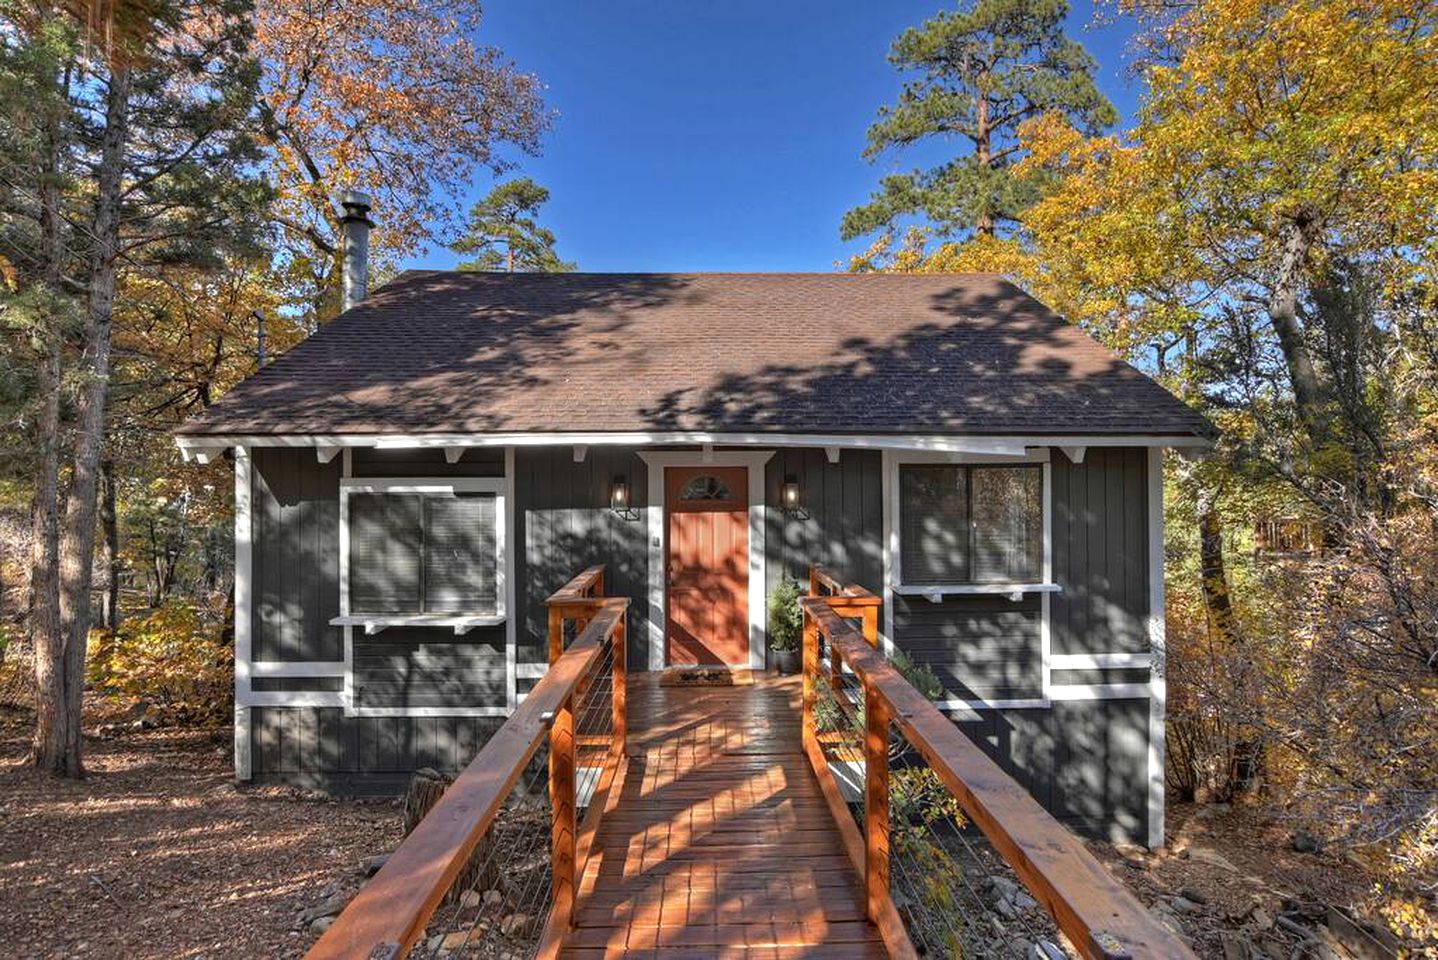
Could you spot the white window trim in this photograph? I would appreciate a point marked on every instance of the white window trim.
(502, 488)
(433, 486)
(1014, 589)
(756, 462)
(893, 574)
(246, 668)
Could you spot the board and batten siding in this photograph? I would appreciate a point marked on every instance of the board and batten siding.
(840, 523)
(564, 524)
(416, 667)
(295, 514)
(295, 592)
(1085, 757)
(1100, 552)
(320, 748)
(1086, 760)
(982, 648)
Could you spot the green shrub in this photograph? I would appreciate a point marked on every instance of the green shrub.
(921, 676)
(786, 620)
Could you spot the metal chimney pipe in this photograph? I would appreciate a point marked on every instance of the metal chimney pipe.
(357, 225)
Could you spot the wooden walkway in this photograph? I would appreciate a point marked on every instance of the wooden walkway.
(719, 842)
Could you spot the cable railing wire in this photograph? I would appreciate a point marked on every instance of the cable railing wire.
(955, 894)
(497, 909)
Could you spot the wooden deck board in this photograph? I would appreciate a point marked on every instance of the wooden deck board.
(721, 844)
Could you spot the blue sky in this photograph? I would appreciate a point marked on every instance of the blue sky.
(718, 136)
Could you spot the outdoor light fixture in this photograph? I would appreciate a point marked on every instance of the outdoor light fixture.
(619, 495)
(789, 494)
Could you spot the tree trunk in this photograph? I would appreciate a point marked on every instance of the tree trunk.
(983, 151)
(1246, 756)
(51, 731)
(1213, 572)
(1308, 392)
(77, 543)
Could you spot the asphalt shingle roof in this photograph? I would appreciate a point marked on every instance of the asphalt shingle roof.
(450, 352)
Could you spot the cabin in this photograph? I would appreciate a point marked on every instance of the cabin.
(523, 529)
(415, 480)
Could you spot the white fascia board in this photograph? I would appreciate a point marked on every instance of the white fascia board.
(1013, 445)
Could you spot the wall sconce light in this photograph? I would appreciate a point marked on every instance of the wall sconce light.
(619, 499)
(789, 494)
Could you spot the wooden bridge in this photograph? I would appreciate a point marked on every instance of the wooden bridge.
(839, 814)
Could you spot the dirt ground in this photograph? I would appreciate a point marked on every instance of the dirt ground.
(1232, 872)
(158, 854)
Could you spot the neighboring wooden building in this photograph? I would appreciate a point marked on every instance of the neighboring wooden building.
(414, 480)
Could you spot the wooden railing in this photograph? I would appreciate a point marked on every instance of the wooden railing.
(901, 738)
(577, 713)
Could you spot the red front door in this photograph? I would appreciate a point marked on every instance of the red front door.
(707, 513)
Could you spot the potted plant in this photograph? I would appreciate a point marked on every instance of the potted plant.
(786, 624)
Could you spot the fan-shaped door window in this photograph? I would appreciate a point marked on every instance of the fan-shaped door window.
(706, 487)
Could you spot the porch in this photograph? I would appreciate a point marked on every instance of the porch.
(719, 836)
(640, 819)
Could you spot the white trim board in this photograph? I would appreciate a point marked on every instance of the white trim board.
(431, 486)
(893, 586)
(244, 636)
(502, 489)
(1004, 445)
(755, 461)
(1158, 645)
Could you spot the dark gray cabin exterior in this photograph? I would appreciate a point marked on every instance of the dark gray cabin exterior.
(416, 478)
(1078, 737)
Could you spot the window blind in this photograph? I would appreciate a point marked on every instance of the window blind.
(962, 524)
(386, 544)
(1007, 508)
(933, 534)
(459, 554)
(414, 553)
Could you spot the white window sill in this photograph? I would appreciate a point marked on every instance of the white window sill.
(461, 622)
(935, 592)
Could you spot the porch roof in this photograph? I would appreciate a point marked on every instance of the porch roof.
(437, 352)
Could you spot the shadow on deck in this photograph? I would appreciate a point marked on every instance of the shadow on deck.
(638, 819)
(719, 839)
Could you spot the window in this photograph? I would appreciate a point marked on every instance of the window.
(422, 549)
(706, 488)
(970, 524)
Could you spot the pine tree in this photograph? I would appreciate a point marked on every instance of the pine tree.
(977, 74)
(137, 160)
(504, 231)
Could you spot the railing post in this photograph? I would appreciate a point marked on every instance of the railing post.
(556, 633)
(871, 625)
(876, 801)
(564, 831)
(620, 693)
(813, 581)
(811, 674)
